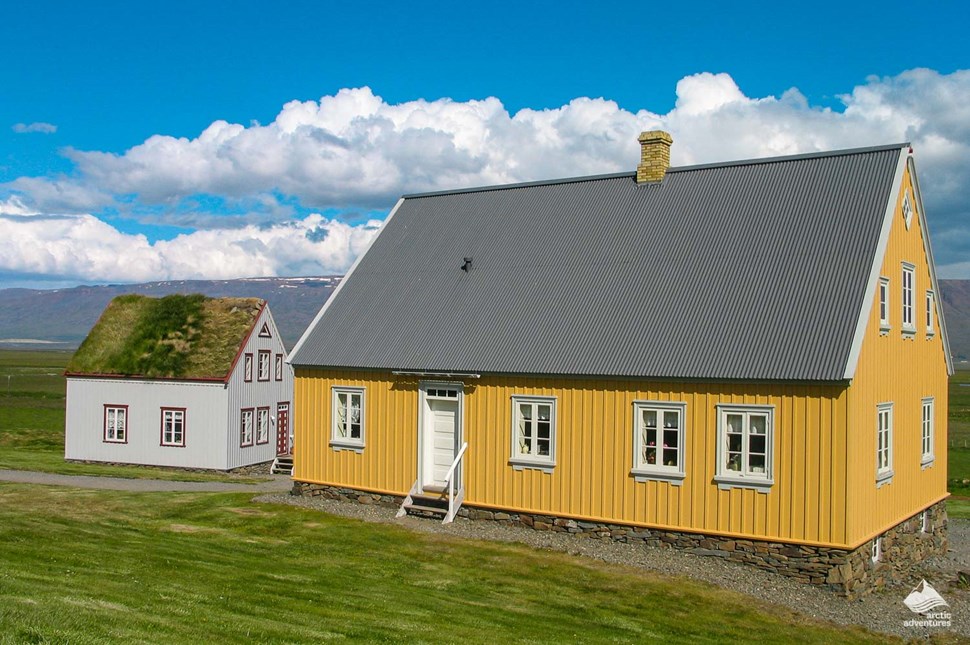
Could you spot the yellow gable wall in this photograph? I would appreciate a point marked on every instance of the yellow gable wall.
(903, 371)
(594, 452)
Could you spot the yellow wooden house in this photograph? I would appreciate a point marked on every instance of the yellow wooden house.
(747, 359)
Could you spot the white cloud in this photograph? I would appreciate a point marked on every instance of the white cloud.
(84, 247)
(355, 149)
(40, 126)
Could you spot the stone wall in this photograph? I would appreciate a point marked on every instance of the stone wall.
(851, 573)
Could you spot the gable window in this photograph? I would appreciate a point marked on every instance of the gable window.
(348, 418)
(745, 443)
(278, 368)
(173, 427)
(246, 428)
(264, 331)
(907, 210)
(533, 432)
(116, 424)
(928, 433)
(909, 273)
(884, 443)
(248, 368)
(262, 425)
(658, 441)
(930, 311)
(262, 369)
(883, 304)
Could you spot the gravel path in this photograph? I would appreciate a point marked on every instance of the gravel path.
(880, 612)
(277, 483)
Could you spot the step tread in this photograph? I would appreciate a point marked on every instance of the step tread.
(427, 509)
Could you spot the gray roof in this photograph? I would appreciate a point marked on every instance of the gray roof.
(752, 270)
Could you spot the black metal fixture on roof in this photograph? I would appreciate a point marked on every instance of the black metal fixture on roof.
(467, 266)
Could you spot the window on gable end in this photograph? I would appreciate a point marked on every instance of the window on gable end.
(907, 210)
(884, 304)
(928, 432)
(278, 368)
(930, 313)
(246, 428)
(248, 368)
(264, 331)
(262, 367)
(909, 287)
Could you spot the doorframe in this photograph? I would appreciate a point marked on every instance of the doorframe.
(286, 430)
(423, 418)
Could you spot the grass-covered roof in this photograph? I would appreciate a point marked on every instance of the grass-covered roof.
(178, 336)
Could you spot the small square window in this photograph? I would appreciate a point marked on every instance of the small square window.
(533, 432)
(347, 418)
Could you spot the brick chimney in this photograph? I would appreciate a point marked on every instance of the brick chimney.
(654, 156)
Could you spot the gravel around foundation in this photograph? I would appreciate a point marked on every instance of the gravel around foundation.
(883, 611)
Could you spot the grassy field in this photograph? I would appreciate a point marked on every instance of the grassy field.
(97, 566)
(32, 422)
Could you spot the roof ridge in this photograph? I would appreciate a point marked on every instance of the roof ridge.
(754, 161)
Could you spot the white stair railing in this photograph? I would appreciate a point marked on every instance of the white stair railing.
(454, 500)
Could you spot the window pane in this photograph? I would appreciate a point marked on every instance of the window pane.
(525, 410)
(759, 424)
(757, 463)
(545, 412)
(670, 419)
(734, 422)
(734, 461)
(756, 444)
(670, 456)
(650, 418)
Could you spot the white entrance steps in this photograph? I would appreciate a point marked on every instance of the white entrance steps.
(282, 465)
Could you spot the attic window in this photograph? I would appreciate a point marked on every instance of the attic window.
(907, 210)
(264, 331)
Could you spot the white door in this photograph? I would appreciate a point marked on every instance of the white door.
(441, 430)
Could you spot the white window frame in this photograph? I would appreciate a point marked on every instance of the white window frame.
(246, 428)
(522, 457)
(262, 425)
(928, 432)
(884, 304)
(173, 416)
(340, 438)
(647, 453)
(884, 444)
(746, 478)
(925, 522)
(112, 414)
(930, 313)
(875, 553)
(908, 291)
(907, 210)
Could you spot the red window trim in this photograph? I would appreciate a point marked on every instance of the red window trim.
(242, 418)
(104, 423)
(161, 427)
(278, 368)
(248, 367)
(268, 354)
(256, 426)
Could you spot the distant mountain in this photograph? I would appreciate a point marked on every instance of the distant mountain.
(955, 295)
(65, 316)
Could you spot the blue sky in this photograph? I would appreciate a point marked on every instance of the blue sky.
(231, 139)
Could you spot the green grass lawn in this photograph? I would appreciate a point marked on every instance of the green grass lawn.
(32, 388)
(104, 566)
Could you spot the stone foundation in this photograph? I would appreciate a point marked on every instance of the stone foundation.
(851, 573)
(261, 468)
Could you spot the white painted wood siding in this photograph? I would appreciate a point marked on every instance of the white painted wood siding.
(256, 394)
(205, 422)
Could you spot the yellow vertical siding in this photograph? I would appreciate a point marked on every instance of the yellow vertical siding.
(902, 371)
(594, 452)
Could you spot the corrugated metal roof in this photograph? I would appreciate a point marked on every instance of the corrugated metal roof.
(747, 270)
